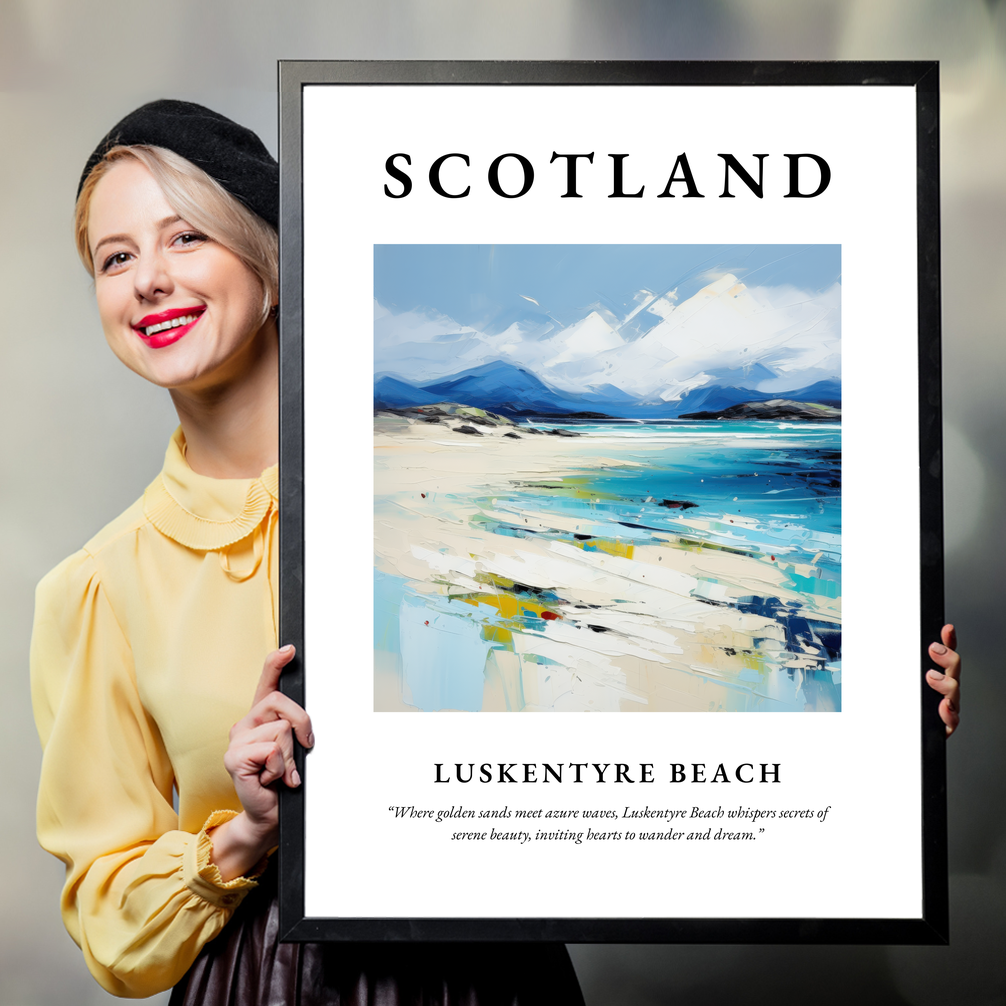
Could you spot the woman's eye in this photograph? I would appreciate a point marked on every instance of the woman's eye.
(190, 238)
(114, 261)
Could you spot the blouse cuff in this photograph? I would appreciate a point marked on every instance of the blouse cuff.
(202, 876)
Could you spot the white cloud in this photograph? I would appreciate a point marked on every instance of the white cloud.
(794, 334)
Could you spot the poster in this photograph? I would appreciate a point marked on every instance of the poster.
(609, 405)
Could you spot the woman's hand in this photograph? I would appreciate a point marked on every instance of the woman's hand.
(947, 682)
(260, 753)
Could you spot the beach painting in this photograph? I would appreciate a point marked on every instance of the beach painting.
(607, 478)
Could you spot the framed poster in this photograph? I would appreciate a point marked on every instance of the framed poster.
(612, 388)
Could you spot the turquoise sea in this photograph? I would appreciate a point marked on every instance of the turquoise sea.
(783, 478)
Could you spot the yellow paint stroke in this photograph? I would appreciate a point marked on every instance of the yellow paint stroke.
(624, 549)
(492, 580)
(509, 607)
(497, 634)
(570, 487)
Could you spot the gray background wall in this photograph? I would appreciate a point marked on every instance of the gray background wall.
(81, 436)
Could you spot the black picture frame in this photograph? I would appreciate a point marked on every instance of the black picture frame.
(932, 926)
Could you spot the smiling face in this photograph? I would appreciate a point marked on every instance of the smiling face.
(177, 307)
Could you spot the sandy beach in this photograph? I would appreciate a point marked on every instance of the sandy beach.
(489, 597)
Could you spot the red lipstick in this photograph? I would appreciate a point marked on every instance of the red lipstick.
(165, 333)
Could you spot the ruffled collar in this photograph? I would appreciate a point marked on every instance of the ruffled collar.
(203, 513)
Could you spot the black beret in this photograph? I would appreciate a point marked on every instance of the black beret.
(230, 154)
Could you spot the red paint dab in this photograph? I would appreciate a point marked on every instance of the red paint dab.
(427, 622)
(423, 495)
(549, 615)
(772, 557)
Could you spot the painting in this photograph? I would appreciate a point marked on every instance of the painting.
(607, 478)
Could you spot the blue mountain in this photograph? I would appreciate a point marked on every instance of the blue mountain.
(610, 396)
(509, 390)
(824, 392)
(391, 393)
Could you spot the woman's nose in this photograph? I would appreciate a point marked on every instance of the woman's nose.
(152, 277)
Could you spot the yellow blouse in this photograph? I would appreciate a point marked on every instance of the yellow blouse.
(147, 647)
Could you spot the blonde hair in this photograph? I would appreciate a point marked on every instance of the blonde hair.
(199, 200)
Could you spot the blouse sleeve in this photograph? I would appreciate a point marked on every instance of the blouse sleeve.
(141, 898)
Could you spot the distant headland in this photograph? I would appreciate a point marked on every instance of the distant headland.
(774, 408)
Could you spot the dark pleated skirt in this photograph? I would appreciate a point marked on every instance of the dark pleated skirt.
(246, 965)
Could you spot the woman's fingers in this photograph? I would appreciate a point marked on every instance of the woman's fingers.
(278, 735)
(946, 681)
(947, 686)
(950, 716)
(257, 760)
(274, 766)
(271, 671)
(272, 668)
(950, 690)
(261, 749)
(946, 656)
(277, 706)
(270, 703)
(949, 660)
(949, 636)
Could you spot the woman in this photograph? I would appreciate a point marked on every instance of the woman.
(148, 643)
